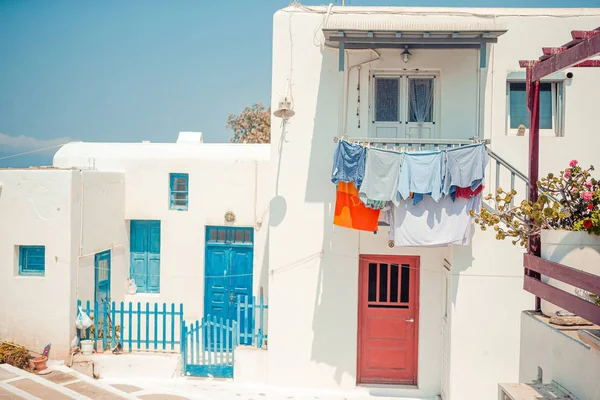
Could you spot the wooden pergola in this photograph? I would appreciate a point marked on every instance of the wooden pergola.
(574, 54)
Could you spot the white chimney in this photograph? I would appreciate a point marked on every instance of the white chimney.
(189, 137)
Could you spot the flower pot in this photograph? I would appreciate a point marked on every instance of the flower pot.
(39, 363)
(575, 249)
(87, 347)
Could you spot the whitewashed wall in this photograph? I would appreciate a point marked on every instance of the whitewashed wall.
(36, 208)
(104, 228)
(313, 288)
(222, 177)
(563, 359)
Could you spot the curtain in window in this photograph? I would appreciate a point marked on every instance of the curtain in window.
(386, 100)
(421, 99)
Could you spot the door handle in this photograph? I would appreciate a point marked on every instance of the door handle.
(410, 320)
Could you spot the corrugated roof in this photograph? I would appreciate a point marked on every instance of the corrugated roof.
(410, 22)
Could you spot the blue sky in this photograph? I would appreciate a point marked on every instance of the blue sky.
(132, 70)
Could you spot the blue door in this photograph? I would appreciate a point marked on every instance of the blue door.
(228, 270)
(145, 255)
(102, 278)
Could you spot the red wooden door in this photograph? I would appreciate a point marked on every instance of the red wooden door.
(388, 319)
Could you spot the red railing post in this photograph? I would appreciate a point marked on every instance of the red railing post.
(533, 103)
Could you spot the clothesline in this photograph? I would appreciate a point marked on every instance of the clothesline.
(428, 196)
(409, 144)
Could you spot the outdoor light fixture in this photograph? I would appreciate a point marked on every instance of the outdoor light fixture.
(406, 54)
(285, 110)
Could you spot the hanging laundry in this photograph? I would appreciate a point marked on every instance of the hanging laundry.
(377, 204)
(350, 212)
(431, 223)
(382, 171)
(348, 163)
(467, 192)
(421, 174)
(465, 167)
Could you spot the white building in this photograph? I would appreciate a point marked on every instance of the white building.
(470, 298)
(110, 211)
(175, 216)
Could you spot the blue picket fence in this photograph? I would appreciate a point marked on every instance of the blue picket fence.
(208, 347)
(139, 328)
(251, 321)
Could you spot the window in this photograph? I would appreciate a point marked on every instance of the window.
(389, 285)
(145, 255)
(32, 260)
(403, 106)
(551, 107)
(179, 191)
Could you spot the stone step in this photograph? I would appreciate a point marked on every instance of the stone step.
(60, 384)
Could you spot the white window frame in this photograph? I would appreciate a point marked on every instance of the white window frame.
(558, 106)
(403, 77)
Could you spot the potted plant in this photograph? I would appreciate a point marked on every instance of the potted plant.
(567, 217)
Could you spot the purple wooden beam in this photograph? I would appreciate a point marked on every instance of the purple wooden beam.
(548, 51)
(533, 103)
(563, 273)
(572, 56)
(585, 34)
(564, 300)
(588, 64)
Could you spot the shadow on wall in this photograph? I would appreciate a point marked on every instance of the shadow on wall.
(332, 342)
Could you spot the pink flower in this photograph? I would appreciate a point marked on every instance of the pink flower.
(567, 174)
(587, 196)
(588, 184)
(573, 163)
(574, 190)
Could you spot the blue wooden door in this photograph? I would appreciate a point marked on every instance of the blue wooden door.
(145, 255)
(228, 270)
(102, 278)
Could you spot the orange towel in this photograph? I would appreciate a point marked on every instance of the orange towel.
(350, 212)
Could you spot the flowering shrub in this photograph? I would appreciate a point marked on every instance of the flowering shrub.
(570, 201)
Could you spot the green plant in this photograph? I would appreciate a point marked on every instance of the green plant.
(109, 328)
(570, 201)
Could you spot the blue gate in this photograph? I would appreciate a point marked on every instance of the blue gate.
(208, 347)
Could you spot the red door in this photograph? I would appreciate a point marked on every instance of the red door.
(388, 319)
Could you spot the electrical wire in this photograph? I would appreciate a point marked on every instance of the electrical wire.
(303, 261)
(32, 151)
(405, 11)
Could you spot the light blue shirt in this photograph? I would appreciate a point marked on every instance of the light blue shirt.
(465, 167)
(421, 173)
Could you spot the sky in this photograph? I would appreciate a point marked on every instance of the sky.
(133, 70)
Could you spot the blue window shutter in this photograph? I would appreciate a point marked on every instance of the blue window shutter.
(545, 106)
(519, 114)
(32, 260)
(139, 240)
(518, 105)
(178, 191)
(154, 257)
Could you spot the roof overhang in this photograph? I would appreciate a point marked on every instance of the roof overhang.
(352, 39)
(356, 39)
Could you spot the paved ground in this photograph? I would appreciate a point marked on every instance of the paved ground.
(64, 383)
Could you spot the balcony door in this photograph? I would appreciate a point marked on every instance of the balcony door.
(403, 107)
